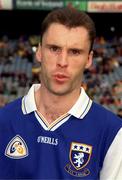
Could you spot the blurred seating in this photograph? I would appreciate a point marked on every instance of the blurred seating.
(19, 70)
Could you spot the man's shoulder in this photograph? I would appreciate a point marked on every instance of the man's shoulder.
(11, 107)
(105, 115)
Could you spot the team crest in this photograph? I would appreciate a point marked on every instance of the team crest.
(16, 148)
(80, 155)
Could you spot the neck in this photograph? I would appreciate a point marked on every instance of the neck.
(52, 106)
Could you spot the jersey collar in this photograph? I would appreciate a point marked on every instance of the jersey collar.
(79, 110)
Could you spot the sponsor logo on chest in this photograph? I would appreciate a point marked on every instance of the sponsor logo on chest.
(47, 140)
(16, 148)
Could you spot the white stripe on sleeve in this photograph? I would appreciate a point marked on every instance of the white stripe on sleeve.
(112, 166)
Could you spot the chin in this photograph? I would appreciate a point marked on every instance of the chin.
(60, 92)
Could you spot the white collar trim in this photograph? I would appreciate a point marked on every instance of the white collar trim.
(79, 110)
(28, 101)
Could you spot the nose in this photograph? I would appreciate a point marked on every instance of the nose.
(62, 59)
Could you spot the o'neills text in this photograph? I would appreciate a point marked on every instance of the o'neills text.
(47, 140)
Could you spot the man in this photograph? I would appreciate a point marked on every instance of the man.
(56, 131)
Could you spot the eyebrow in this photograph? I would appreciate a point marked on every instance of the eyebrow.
(77, 49)
(52, 45)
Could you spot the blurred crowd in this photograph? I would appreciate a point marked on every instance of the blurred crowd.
(19, 70)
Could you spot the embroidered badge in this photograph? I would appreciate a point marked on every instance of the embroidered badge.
(79, 157)
(16, 148)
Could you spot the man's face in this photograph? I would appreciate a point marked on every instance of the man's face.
(64, 54)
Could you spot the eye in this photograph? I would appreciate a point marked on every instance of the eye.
(54, 48)
(75, 52)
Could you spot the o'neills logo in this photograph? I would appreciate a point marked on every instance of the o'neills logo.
(47, 140)
(79, 157)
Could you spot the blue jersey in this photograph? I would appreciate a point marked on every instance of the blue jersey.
(74, 150)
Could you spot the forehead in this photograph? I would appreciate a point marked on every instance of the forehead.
(58, 33)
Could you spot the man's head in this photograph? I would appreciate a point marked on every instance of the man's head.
(71, 18)
(65, 50)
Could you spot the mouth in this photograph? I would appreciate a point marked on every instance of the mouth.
(60, 78)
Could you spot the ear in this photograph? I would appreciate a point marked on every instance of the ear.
(38, 53)
(90, 60)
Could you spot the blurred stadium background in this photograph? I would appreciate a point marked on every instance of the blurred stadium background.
(20, 34)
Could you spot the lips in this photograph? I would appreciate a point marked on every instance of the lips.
(61, 78)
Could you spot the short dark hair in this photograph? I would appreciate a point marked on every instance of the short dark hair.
(71, 18)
